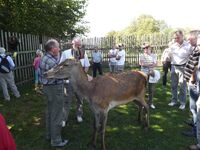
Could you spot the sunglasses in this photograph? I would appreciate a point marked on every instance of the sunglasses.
(145, 47)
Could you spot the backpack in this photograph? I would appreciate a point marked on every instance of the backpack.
(4, 65)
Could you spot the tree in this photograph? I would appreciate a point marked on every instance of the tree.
(46, 17)
(143, 25)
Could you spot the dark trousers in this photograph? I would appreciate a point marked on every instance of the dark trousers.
(166, 67)
(68, 100)
(151, 91)
(97, 66)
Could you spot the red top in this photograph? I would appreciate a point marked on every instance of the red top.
(6, 140)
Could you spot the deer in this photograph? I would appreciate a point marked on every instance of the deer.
(104, 93)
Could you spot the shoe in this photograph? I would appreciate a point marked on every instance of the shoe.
(63, 123)
(194, 147)
(61, 144)
(18, 96)
(189, 123)
(152, 106)
(189, 133)
(79, 119)
(172, 104)
(182, 107)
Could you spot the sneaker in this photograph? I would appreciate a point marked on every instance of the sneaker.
(61, 144)
(63, 123)
(172, 104)
(79, 119)
(17, 96)
(194, 147)
(152, 106)
(182, 107)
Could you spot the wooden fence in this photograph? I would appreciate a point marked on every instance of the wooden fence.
(132, 46)
(28, 44)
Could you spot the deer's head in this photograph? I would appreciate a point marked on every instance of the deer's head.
(63, 70)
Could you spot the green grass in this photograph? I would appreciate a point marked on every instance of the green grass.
(25, 116)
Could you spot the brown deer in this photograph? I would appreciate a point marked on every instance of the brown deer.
(104, 93)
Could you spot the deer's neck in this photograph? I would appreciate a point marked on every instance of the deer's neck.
(80, 82)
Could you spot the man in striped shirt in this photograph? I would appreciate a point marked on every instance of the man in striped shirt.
(190, 77)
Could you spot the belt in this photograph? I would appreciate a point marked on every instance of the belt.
(179, 65)
(53, 84)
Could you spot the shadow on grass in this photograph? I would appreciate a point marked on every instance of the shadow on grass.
(25, 117)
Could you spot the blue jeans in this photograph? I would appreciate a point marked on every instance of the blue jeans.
(177, 78)
(193, 97)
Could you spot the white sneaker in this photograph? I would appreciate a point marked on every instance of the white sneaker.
(63, 123)
(152, 106)
(182, 107)
(172, 104)
(79, 119)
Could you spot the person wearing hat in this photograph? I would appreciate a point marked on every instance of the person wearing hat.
(6, 75)
(148, 61)
(78, 53)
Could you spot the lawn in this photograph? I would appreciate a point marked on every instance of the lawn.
(25, 117)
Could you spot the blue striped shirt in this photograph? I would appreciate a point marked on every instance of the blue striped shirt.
(48, 61)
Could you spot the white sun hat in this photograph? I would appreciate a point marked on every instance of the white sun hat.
(156, 77)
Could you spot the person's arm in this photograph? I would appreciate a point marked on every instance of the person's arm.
(193, 76)
(34, 62)
(12, 64)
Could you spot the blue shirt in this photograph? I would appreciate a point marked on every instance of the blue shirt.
(96, 57)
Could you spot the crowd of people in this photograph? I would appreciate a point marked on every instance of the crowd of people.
(181, 57)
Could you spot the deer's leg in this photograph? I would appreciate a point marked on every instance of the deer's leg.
(103, 122)
(146, 115)
(140, 109)
(96, 125)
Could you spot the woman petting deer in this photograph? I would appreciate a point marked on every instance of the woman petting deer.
(104, 93)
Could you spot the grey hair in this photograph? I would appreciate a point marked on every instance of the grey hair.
(2, 50)
(52, 43)
(194, 33)
(179, 32)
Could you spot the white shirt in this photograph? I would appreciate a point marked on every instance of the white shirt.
(122, 55)
(180, 53)
(67, 54)
(113, 52)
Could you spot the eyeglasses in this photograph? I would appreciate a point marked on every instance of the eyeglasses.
(145, 47)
